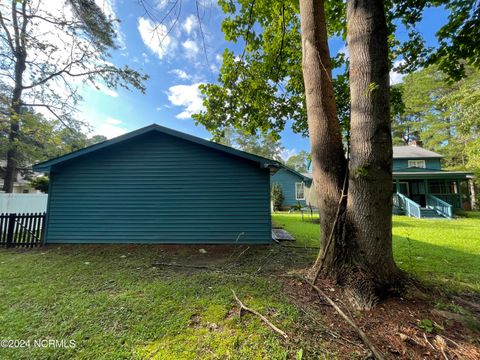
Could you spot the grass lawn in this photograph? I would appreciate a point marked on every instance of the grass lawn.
(117, 302)
(438, 251)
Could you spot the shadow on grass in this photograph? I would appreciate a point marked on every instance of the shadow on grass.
(438, 265)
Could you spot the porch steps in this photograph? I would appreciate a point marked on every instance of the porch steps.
(430, 213)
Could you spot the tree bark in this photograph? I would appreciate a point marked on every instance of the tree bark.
(327, 153)
(20, 55)
(356, 246)
(370, 182)
(473, 195)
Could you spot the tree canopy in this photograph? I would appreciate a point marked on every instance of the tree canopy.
(48, 51)
(261, 88)
(443, 114)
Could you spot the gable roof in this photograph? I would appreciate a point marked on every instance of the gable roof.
(264, 162)
(304, 176)
(410, 151)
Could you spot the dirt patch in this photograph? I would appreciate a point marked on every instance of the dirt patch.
(195, 321)
(405, 328)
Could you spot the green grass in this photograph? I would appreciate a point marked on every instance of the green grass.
(117, 304)
(441, 252)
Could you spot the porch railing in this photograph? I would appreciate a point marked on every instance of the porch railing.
(410, 207)
(451, 199)
(439, 206)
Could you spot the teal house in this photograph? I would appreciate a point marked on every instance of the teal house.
(421, 188)
(157, 185)
(296, 187)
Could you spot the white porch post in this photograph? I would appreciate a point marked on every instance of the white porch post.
(473, 195)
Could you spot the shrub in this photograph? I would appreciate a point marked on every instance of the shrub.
(40, 183)
(277, 197)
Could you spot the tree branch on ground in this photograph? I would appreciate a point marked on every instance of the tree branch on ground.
(263, 318)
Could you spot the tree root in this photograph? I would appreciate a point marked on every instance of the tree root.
(263, 318)
(359, 331)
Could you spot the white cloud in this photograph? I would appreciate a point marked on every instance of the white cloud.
(155, 37)
(190, 24)
(191, 48)
(146, 59)
(344, 50)
(396, 77)
(106, 90)
(219, 58)
(188, 96)
(180, 74)
(111, 128)
(287, 153)
(161, 4)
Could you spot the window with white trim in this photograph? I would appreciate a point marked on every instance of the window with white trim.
(416, 164)
(299, 191)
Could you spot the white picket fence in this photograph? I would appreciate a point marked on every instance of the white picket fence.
(23, 203)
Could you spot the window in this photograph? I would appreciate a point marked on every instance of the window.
(299, 191)
(443, 187)
(416, 164)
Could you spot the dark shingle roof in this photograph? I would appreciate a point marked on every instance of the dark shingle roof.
(264, 162)
(408, 151)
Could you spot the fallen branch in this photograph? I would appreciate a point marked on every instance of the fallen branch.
(299, 246)
(359, 331)
(184, 265)
(263, 318)
(335, 336)
(323, 253)
(440, 342)
(428, 342)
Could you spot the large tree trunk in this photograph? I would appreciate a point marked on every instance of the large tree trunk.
(20, 55)
(356, 247)
(328, 157)
(370, 168)
(12, 153)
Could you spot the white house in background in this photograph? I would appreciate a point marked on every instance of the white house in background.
(22, 183)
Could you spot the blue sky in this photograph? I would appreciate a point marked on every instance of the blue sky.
(176, 65)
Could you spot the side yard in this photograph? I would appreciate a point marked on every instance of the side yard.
(139, 302)
(442, 252)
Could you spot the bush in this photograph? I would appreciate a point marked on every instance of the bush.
(277, 197)
(40, 183)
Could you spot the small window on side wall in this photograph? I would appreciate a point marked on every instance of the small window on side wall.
(416, 164)
(299, 191)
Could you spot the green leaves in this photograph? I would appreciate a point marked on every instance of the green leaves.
(261, 88)
(441, 113)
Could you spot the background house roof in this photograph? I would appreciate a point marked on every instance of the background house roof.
(409, 151)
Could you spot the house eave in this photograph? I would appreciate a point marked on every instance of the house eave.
(46, 166)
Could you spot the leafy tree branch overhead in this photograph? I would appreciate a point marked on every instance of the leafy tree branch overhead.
(267, 71)
(48, 51)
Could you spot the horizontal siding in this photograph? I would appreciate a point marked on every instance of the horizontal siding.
(159, 189)
(286, 179)
(429, 163)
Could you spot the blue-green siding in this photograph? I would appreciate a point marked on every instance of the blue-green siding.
(430, 163)
(287, 179)
(156, 188)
